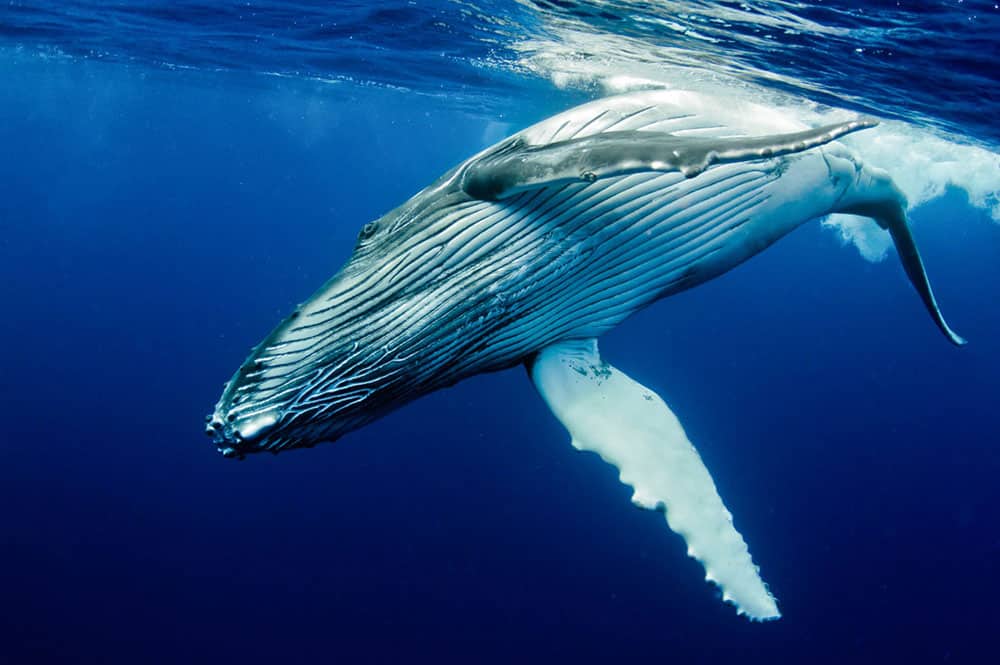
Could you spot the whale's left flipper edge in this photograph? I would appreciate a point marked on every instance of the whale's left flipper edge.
(632, 428)
(515, 165)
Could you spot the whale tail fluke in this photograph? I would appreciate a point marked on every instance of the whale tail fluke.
(877, 196)
(906, 247)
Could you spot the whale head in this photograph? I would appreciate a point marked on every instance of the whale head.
(402, 318)
(332, 365)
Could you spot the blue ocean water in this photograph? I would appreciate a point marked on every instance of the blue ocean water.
(174, 177)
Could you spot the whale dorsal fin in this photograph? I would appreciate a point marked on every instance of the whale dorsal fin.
(516, 165)
(631, 427)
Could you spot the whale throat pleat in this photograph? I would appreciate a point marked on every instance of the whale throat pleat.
(597, 251)
(631, 427)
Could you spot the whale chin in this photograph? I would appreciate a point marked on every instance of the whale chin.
(231, 444)
(236, 434)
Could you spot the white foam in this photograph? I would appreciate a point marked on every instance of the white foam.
(923, 163)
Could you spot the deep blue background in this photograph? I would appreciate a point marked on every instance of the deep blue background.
(153, 226)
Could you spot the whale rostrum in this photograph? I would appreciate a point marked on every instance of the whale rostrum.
(529, 251)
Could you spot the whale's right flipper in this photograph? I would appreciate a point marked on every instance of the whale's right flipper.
(516, 165)
(629, 426)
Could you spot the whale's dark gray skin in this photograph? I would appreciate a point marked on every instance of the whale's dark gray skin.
(543, 242)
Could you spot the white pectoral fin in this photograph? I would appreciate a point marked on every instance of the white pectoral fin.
(631, 427)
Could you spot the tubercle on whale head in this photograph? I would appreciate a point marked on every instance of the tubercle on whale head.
(266, 405)
(300, 386)
(235, 438)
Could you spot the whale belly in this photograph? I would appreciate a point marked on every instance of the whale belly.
(604, 252)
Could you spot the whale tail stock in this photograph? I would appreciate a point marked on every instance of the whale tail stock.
(878, 197)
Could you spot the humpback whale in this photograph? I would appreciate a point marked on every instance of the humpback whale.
(528, 252)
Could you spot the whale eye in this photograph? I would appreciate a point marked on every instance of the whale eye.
(368, 231)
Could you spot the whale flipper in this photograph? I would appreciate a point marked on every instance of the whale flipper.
(517, 165)
(631, 427)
